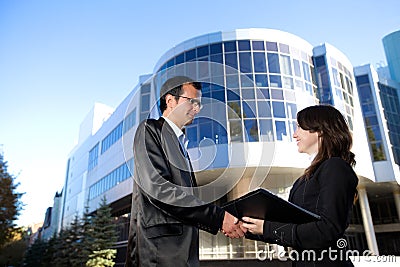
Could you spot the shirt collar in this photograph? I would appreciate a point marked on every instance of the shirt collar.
(178, 132)
(312, 156)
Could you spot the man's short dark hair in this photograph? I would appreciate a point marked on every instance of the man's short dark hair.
(173, 86)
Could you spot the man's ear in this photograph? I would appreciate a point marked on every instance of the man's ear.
(168, 99)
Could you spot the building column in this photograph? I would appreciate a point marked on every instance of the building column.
(396, 195)
(367, 221)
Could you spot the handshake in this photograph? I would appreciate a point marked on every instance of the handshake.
(232, 227)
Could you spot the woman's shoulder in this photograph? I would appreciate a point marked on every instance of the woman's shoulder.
(336, 161)
(339, 166)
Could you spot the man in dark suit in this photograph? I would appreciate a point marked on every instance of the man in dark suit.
(166, 213)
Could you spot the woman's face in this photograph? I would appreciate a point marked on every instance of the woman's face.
(307, 142)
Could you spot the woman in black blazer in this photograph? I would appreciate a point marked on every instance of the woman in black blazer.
(327, 188)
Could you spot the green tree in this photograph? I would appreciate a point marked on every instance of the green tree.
(102, 258)
(63, 249)
(103, 235)
(87, 240)
(13, 253)
(10, 205)
(104, 230)
(33, 256)
(77, 246)
(48, 256)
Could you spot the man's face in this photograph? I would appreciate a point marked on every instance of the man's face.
(183, 111)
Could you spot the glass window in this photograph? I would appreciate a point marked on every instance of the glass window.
(233, 94)
(246, 80)
(262, 93)
(203, 71)
(266, 130)
(220, 135)
(290, 96)
(93, 156)
(145, 101)
(306, 71)
(273, 63)
(235, 130)
(292, 129)
(232, 81)
(216, 58)
(205, 87)
(260, 64)
(365, 93)
(216, 48)
(287, 83)
(277, 94)
(230, 46)
(129, 121)
(335, 74)
(248, 93)
(292, 110)
(319, 61)
(180, 58)
(203, 51)
(244, 45)
(191, 133)
(296, 67)
(309, 89)
(264, 109)
(258, 45)
(170, 63)
(145, 89)
(245, 62)
(231, 60)
(251, 130)
(299, 84)
(284, 48)
(363, 79)
(368, 109)
(281, 133)
(249, 109)
(286, 67)
(234, 110)
(378, 151)
(190, 55)
(371, 120)
(278, 109)
(272, 46)
(275, 81)
(217, 69)
(205, 130)
(218, 95)
(261, 80)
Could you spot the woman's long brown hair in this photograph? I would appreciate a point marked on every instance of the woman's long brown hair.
(334, 134)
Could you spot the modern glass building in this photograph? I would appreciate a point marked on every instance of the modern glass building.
(254, 82)
(391, 44)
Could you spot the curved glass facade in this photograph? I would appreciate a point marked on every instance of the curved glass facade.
(257, 81)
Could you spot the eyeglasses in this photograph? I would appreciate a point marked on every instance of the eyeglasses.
(194, 101)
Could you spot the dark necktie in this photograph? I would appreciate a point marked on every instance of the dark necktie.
(183, 141)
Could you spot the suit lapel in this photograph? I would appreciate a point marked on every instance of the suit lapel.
(170, 136)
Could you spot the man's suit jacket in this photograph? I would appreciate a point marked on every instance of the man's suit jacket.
(329, 192)
(165, 215)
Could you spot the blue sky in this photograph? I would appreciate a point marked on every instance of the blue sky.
(57, 58)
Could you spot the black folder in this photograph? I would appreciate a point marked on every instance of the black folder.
(263, 204)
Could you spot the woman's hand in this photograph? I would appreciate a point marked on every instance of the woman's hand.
(254, 226)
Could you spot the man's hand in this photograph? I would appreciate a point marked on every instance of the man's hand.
(232, 227)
